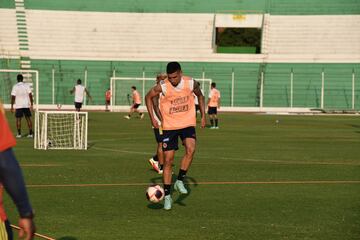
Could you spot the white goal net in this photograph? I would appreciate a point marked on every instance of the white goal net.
(61, 130)
(121, 95)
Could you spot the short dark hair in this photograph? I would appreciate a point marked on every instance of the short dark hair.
(172, 67)
(79, 81)
(19, 77)
(213, 84)
(133, 87)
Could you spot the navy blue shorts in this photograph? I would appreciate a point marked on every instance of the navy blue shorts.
(212, 110)
(158, 137)
(136, 106)
(197, 107)
(20, 112)
(170, 137)
(78, 105)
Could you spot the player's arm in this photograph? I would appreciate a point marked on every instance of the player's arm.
(72, 90)
(201, 100)
(31, 100)
(12, 102)
(155, 101)
(154, 92)
(13, 182)
(88, 94)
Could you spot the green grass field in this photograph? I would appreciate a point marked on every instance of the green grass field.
(251, 179)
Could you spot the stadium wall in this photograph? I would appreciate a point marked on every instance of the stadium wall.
(246, 77)
(281, 7)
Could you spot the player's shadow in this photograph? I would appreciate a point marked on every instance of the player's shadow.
(189, 182)
(67, 238)
(355, 126)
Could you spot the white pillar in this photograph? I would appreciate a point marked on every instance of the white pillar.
(53, 85)
(232, 87)
(322, 89)
(291, 88)
(85, 83)
(353, 90)
(262, 89)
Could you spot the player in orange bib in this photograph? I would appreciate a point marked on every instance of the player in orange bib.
(213, 105)
(12, 181)
(136, 103)
(177, 120)
(107, 99)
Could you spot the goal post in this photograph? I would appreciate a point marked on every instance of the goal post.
(120, 88)
(61, 130)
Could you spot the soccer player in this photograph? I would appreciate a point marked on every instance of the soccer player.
(79, 91)
(157, 161)
(107, 99)
(22, 97)
(178, 119)
(12, 180)
(136, 103)
(213, 104)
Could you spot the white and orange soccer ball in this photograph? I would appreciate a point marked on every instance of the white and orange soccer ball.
(155, 193)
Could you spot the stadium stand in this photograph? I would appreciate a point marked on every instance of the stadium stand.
(308, 40)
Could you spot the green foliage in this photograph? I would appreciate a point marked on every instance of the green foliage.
(241, 37)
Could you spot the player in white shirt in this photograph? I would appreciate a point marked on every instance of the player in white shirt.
(79, 91)
(22, 97)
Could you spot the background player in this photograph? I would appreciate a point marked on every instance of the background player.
(178, 120)
(79, 91)
(157, 161)
(136, 103)
(107, 99)
(22, 97)
(213, 104)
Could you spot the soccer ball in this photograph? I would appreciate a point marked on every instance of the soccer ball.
(155, 193)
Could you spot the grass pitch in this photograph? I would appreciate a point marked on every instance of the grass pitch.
(254, 178)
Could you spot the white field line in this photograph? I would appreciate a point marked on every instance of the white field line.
(237, 160)
(198, 183)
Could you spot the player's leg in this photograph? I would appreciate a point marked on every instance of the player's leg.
(169, 145)
(216, 121)
(78, 106)
(136, 109)
(131, 111)
(27, 113)
(167, 175)
(211, 116)
(160, 155)
(18, 114)
(157, 161)
(188, 136)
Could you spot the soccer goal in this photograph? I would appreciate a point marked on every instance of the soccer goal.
(121, 96)
(61, 130)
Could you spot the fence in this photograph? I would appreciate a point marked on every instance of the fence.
(239, 87)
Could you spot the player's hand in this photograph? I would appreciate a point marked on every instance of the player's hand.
(203, 122)
(27, 228)
(155, 123)
(31, 108)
